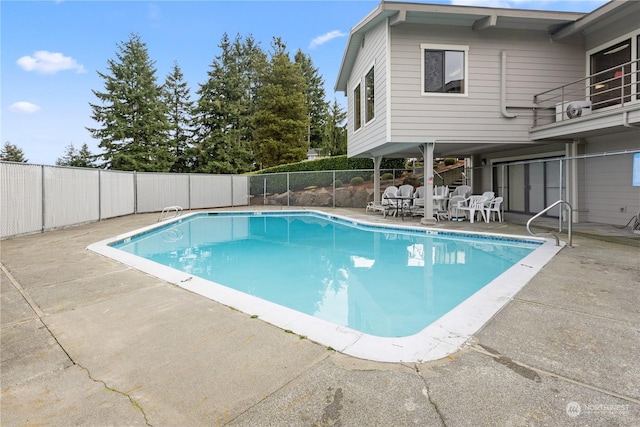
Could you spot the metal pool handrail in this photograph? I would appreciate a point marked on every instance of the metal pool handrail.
(546, 210)
(177, 209)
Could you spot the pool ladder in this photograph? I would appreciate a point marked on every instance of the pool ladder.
(177, 211)
(548, 208)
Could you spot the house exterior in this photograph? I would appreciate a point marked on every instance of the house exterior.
(503, 87)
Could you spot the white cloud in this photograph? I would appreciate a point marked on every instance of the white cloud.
(24, 107)
(320, 40)
(47, 62)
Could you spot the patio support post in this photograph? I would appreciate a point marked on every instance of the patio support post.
(377, 160)
(427, 154)
(572, 177)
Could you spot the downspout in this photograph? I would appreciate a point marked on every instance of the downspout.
(625, 121)
(503, 87)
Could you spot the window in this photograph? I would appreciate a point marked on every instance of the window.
(445, 69)
(369, 106)
(357, 103)
(611, 78)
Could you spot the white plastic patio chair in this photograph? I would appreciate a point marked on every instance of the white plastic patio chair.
(474, 205)
(454, 203)
(390, 205)
(417, 204)
(406, 190)
(495, 207)
(463, 190)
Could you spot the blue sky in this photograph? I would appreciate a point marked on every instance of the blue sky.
(51, 51)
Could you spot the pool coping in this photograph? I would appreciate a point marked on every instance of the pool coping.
(439, 339)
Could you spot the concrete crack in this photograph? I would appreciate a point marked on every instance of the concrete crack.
(427, 392)
(40, 314)
(133, 402)
(487, 351)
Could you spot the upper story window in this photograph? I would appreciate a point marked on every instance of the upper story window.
(369, 106)
(357, 108)
(611, 71)
(444, 69)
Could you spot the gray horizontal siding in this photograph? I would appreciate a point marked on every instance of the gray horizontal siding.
(609, 181)
(534, 64)
(373, 133)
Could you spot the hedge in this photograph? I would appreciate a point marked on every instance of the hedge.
(345, 169)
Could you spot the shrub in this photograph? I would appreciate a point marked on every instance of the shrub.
(449, 161)
(338, 183)
(386, 176)
(412, 180)
(357, 180)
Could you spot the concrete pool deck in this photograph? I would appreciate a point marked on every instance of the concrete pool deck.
(88, 341)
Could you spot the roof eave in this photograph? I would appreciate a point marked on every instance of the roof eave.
(590, 19)
(388, 9)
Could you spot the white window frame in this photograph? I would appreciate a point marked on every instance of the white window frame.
(366, 110)
(445, 47)
(357, 111)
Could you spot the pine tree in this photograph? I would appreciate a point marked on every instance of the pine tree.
(134, 132)
(78, 158)
(336, 131)
(12, 153)
(315, 99)
(281, 119)
(176, 97)
(222, 119)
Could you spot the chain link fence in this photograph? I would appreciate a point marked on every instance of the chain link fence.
(38, 198)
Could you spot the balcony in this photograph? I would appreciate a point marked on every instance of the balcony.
(601, 103)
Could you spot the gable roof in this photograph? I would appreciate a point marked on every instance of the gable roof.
(477, 18)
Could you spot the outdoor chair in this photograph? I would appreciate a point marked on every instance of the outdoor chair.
(463, 190)
(495, 207)
(474, 205)
(455, 202)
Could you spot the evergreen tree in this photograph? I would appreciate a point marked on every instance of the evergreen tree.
(336, 130)
(315, 99)
(176, 97)
(79, 158)
(222, 119)
(132, 115)
(281, 119)
(12, 153)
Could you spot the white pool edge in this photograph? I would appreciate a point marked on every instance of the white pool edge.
(440, 339)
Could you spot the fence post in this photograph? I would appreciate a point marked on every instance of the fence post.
(189, 190)
(135, 192)
(99, 195)
(288, 189)
(43, 210)
(562, 208)
(232, 205)
(334, 189)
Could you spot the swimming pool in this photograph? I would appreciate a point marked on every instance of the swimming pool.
(372, 291)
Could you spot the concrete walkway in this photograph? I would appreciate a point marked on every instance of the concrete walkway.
(88, 341)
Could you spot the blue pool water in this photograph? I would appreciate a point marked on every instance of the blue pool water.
(381, 281)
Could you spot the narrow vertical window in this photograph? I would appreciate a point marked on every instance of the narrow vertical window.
(357, 104)
(369, 106)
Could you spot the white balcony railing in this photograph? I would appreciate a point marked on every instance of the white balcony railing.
(610, 89)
